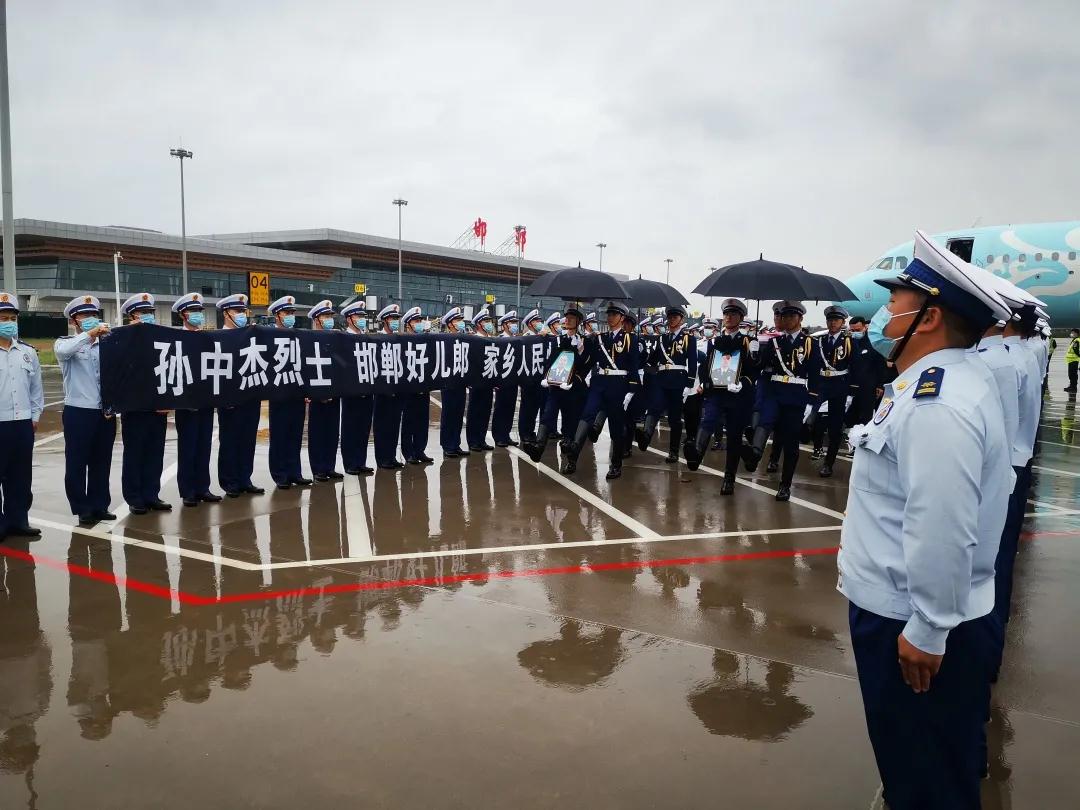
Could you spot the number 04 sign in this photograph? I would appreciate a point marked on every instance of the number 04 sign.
(258, 289)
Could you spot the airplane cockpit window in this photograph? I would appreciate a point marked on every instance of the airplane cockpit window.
(885, 264)
(901, 263)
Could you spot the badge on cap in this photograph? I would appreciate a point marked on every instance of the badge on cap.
(929, 384)
(883, 411)
(194, 296)
(88, 300)
(145, 296)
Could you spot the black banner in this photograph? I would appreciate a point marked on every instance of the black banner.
(148, 367)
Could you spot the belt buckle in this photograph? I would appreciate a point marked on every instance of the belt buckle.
(785, 378)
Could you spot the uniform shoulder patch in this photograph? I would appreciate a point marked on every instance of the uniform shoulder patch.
(28, 345)
(929, 384)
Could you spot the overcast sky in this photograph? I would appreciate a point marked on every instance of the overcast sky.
(817, 133)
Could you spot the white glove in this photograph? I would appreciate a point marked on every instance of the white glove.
(735, 387)
(754, 346)
(626, 401)
(544, 383)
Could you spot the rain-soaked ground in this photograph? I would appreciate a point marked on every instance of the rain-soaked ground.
(487, 633)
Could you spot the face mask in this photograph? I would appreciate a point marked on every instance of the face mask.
(147, 318)
(489, 327)
(196, 318)
(240, 320)
(288, 321)
(86, 324)
(360, 324)
(9, 330)
(514, 329)
(327, 323)
(707, 333)
(421, 327)
(876, 330)
(461, 327)
(394, 324)
(858, 335)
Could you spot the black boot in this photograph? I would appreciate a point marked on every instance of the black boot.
(574, 450)
(644, 435)
(695, 450)
(784, 493)
(673, 445)
(597, 427)
(753, 452)
(615, 470)
(728, 487)
(536, 446)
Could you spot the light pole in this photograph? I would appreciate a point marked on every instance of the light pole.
(601, 245)
(668, 277)
(517, 240)
(400, 203)
(5, 158)
(116, 257)
(182, 153)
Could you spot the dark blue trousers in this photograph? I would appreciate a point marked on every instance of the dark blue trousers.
(286, 438)
(669, 401)
(1006, 561)
(478, 414)
(144, 456)
(569, 403)
(88, 445)
(416, 413)
(194, 431)
(734, 410)
(606, 394)
(834, 391)
(531, 403)
(930, 748)
(356, 415)
(452, 418)
(387, 427)
(324, 430)
(502, 414)
(238, 430)
(16, 473)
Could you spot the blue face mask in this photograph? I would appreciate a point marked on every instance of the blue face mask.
(327, 323)
(9, 330)
(515, 329)
(461, 327)
(489, 327)
(707, 333)
(240, 320)
(394, 325)
(147, 317)
(86, 324)
(196, 318)
(876, 330)
(858, 335)
(288, 321)
(420, 327)
(360, 324)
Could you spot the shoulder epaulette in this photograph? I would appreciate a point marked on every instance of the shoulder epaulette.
(929, 384)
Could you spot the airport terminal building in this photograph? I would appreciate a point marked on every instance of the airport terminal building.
(56, 261)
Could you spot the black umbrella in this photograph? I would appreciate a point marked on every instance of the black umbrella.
(832, 289)
(645, 293)
(576, 284)
(761, 279)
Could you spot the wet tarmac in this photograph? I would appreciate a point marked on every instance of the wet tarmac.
(484, 632)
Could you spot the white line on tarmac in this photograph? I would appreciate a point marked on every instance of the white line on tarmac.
(1055, 472)
(1046, 505)
(1058, 444)
(839, 457)
(49, 439)
(640, 529)
(754, 485)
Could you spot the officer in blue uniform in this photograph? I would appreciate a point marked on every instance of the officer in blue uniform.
(21, 402)
(481, 395)
(416, 409)
(616, 358)
(356, 411)
(238, 425)
(387, 415)
(832, 383)
(786, 362)
(506, 392)
(532, 393)
(750, 459)
(567, 399)
(286, 415)
(89, 431)
(452, 418)
(673, 359)
(143, 433)
(194, 427)
(588, 327)
(324, 415)
(731, 395)
(929, 487)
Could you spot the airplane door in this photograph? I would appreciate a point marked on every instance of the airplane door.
(961, 247)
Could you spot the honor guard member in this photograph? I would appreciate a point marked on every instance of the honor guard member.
(481, 395)
(637, 404)
(143, 433)
(751, 461)
(832, 382)
(565, 398)
(452, 417)
(324, 415)
(89, 431)
(21, 402)
(194, 427)
(532, 393)
(238, 425)
(786, 361)
(387, 415)
(286, 415)
(589, 326)
(615, 357)
(710, 328)
(727, 378)
(416, 405)
(356, 411)
(929, 486)
(867, 371)
(673, 358)
(506, 392)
